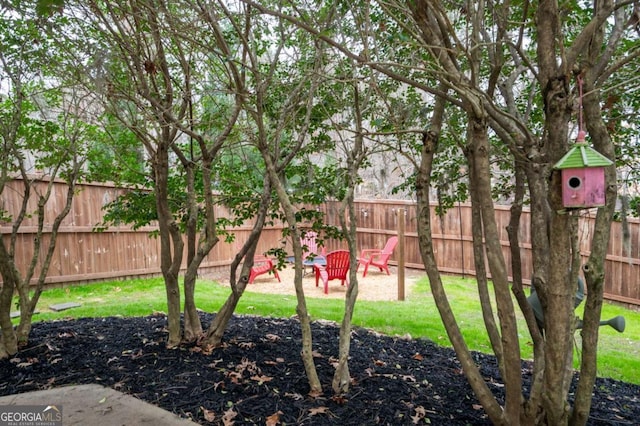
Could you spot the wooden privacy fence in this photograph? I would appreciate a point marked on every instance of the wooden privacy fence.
(84, 255)
(378, 219)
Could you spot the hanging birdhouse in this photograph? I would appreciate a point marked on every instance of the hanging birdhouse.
(583, 181)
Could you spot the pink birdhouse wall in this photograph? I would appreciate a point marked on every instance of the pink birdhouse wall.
(583, 187)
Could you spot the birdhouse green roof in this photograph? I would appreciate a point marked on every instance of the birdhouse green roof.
(582, 155)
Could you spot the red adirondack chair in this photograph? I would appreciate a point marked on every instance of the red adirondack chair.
(262, 265)
(336, 268)
(377, 257)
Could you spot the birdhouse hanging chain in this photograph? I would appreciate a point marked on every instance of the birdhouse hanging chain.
(581, 133)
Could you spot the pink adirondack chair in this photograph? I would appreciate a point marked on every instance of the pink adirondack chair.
(310, 246)
(310, 254)
(377, 257)
(336, 268)
(262, 265)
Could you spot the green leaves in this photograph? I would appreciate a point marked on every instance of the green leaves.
(46, 8)
(134, 207)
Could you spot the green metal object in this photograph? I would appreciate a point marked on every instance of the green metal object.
(582, 155)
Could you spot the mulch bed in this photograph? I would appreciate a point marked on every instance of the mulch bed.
(257, 377)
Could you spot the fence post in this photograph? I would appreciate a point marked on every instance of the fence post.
(401, 213)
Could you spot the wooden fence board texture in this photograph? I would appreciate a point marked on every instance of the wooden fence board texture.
(84, 255)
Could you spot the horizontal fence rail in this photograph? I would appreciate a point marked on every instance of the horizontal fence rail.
(83, 255)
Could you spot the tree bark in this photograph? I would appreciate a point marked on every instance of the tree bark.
(171, 244)
(9, 340)
(505, 309)
(219, 324)
(425, 241)
(594, 268)
(216, 329)
(479, 261)
(532, 404)
(192, 324)
(294, 233)
(355, 156)
(315, 387)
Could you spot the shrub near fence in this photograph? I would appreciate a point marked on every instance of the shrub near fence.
(84, 255)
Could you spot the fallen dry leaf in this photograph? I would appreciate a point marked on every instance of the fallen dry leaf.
(339, 399)
(273, 337)
(228, 417)
(420, 413)
(234, 377)
(274, 419)
(209, 415)
(318, 410)
(418, 357)
(315, 394)
(261, 379)
(214, 364)
(295, 396)
(246, 365)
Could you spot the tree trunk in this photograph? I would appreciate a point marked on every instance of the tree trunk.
(355, 156)
(558, 312)
(301, 307)
(219, 324)
(342, 377)
(192, 324)
(315, 387)
(216, 329)
(557, 290)
(481, 270)
(172, 289)
(532, 404)
(425, 241)
(495, 259)
(594, 268)
(28, 303)
(171, 245)
(8, 341)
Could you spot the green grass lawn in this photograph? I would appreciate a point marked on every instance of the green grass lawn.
(417, 316)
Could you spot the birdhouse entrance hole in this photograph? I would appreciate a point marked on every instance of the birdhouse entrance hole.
(575, 182)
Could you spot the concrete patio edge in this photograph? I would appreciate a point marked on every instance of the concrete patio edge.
(97, 405)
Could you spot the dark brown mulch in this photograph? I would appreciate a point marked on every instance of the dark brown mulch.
(258, 374)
